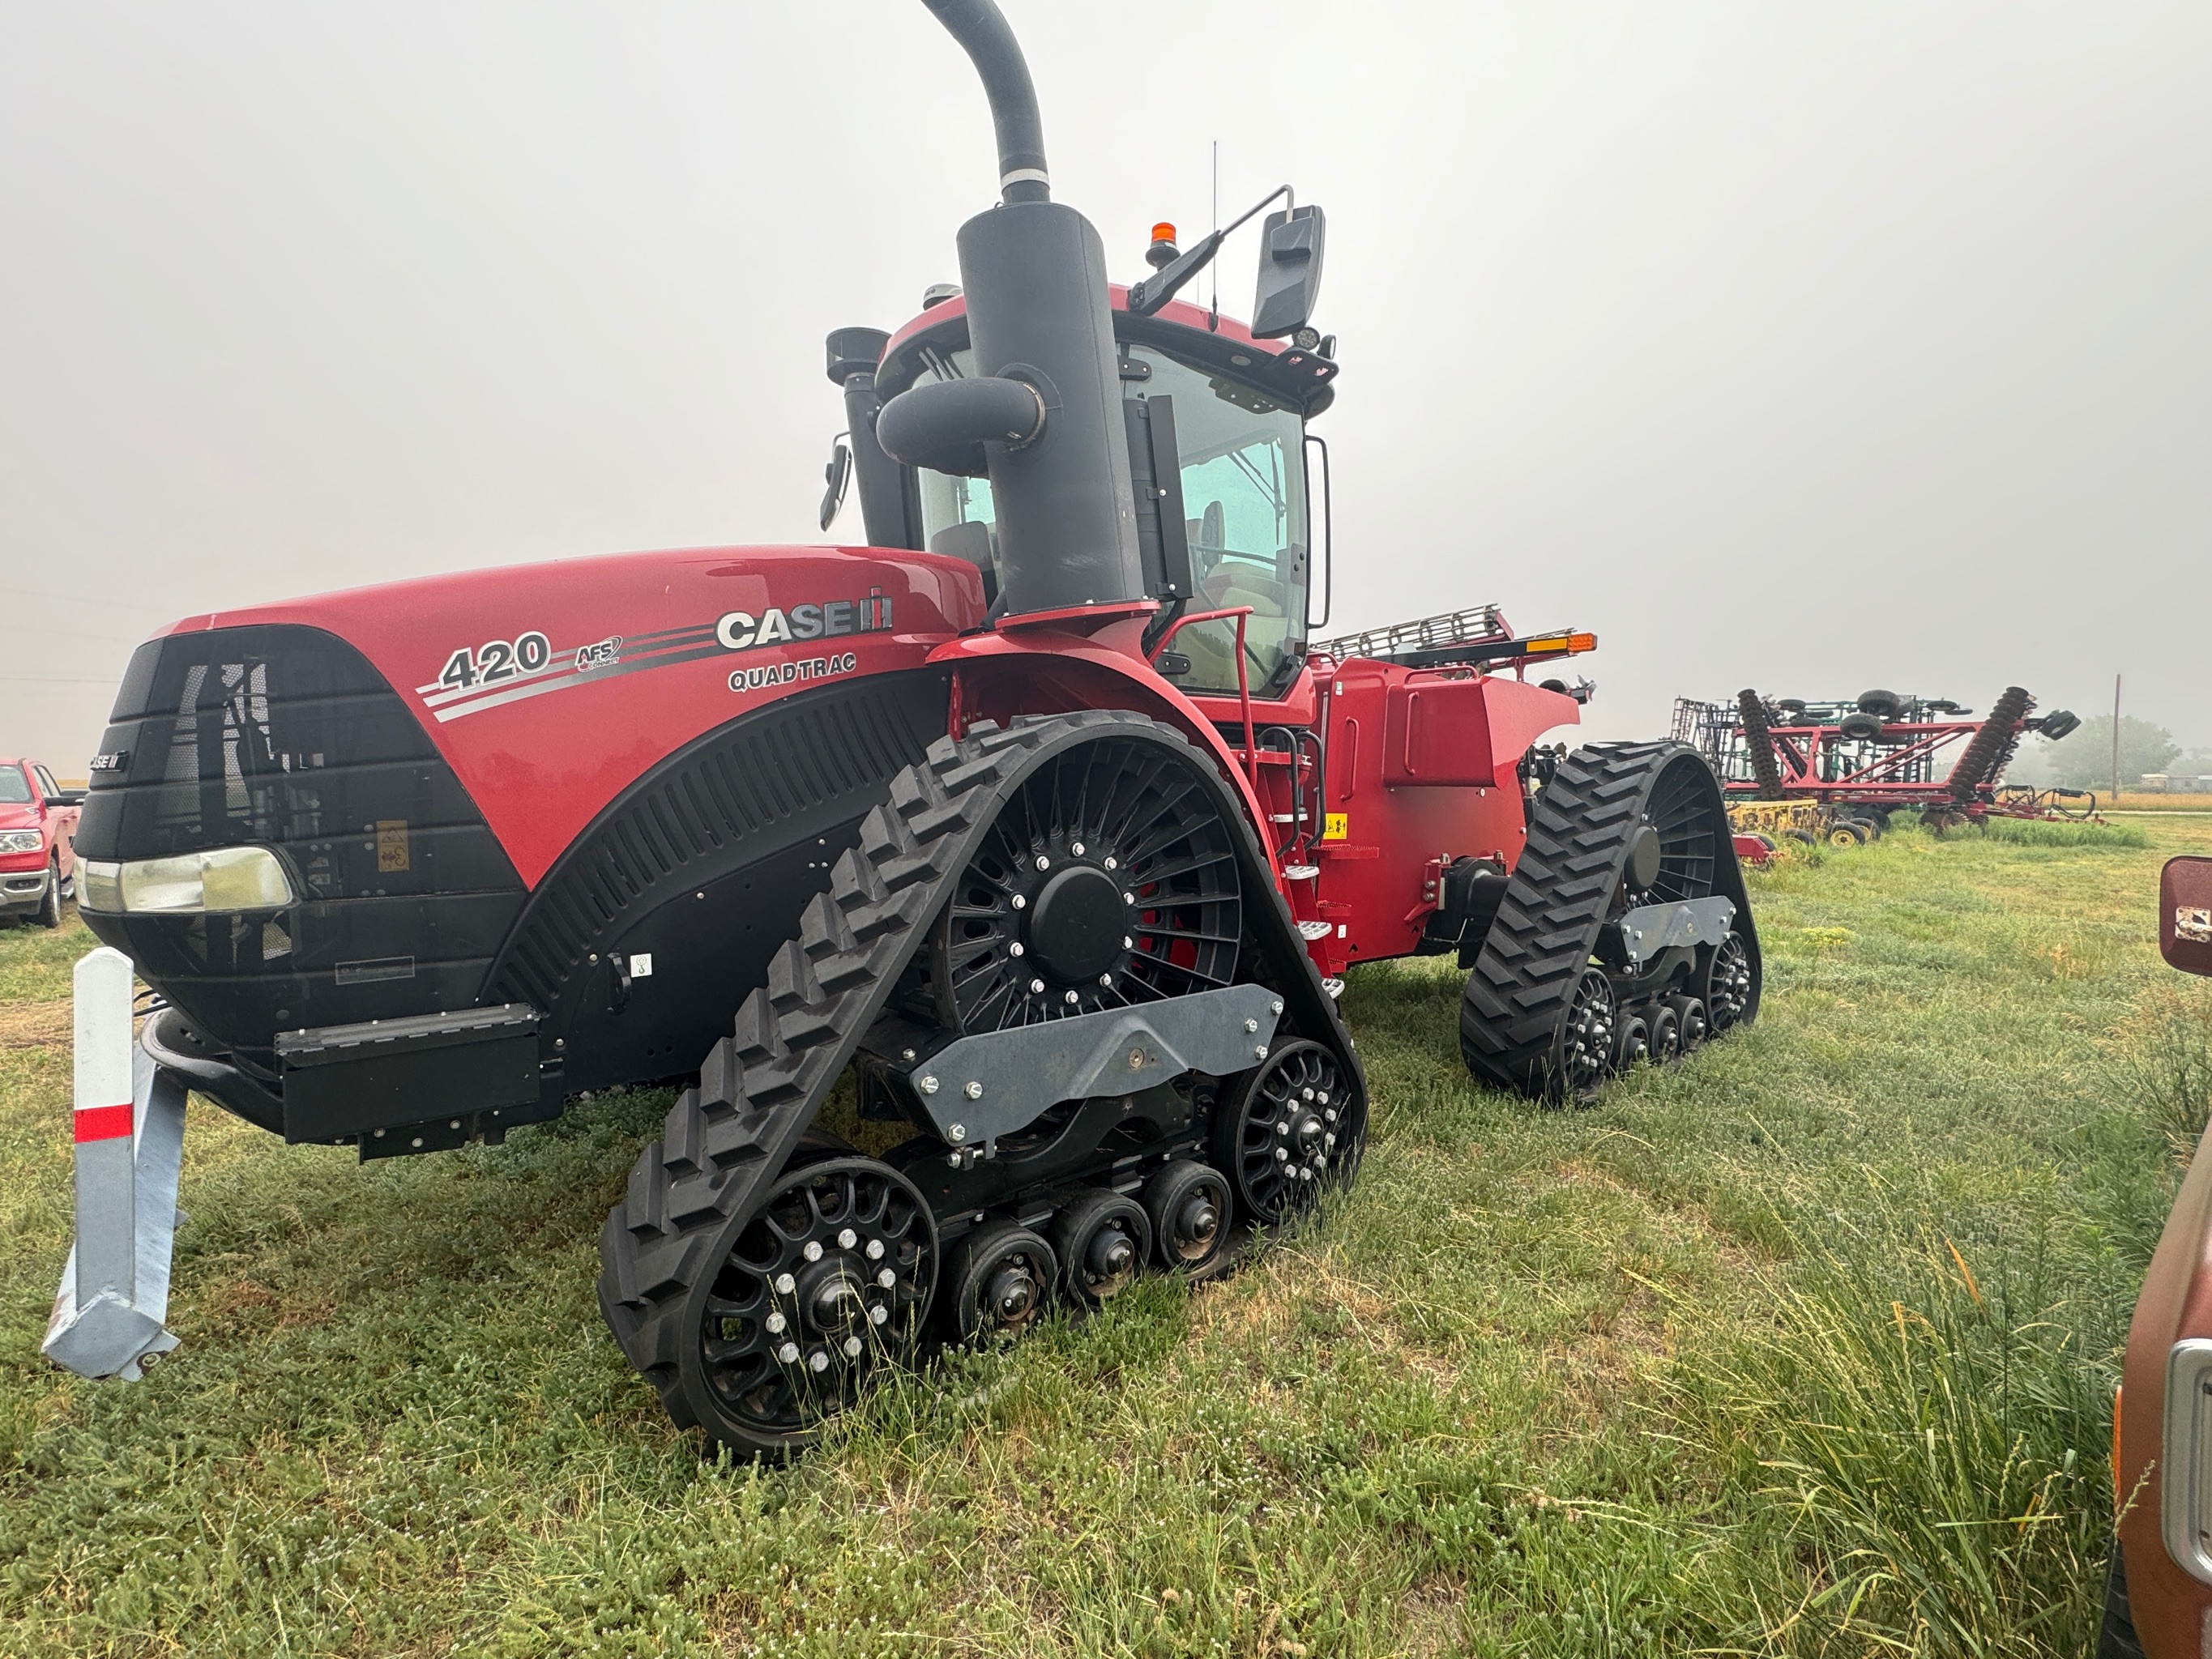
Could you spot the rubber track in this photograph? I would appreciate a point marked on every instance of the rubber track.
(1991, 746)
(1547, 923)
(1757, 738)
(725, 1138)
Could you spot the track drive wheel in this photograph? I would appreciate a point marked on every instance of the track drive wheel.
(1105, 879)
(1289, 1129)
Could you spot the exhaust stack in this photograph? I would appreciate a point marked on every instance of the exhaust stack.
(1050, 436)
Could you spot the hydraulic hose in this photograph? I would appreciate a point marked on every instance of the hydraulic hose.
(983, 35)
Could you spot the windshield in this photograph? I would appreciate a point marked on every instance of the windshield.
(15, 787)
(1243, 492)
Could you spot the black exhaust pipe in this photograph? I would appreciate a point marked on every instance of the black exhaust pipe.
(982, 31)
(1054, 445)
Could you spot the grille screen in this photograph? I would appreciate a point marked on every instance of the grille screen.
(286, 736)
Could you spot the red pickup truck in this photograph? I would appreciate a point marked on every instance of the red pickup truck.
(2159, 1601)
(38, 865)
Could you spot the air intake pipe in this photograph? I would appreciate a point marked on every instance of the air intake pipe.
(1045, 422)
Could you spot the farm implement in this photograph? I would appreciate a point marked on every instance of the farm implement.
(1835, 771)
(1037, 833)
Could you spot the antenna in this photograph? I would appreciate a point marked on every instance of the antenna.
(1214, 309)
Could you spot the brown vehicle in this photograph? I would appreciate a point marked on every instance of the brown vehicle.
(2158, 1601)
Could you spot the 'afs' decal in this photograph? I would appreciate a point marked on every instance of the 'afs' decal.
(478, 677)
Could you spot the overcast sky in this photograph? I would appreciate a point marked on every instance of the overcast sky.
(1814, 347)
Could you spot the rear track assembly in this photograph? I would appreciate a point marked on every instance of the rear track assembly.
(1628, 838)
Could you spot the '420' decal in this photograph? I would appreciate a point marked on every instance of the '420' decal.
(495, 660)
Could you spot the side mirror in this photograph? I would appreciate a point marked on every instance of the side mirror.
(2185, 914)
(837, 475)
(1290, 272)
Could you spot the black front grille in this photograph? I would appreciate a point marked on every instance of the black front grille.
(285, 737)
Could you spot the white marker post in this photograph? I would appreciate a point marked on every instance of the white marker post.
(129, 1129)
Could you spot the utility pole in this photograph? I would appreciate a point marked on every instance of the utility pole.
(2115, 739)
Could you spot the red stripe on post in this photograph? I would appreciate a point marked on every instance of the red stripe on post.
(102, 1122)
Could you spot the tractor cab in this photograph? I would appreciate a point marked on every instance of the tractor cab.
(1228, 520)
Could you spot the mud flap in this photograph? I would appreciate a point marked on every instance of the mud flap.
(129, 1133)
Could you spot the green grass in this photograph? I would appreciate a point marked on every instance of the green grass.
(1804, 1348)
(2048, 832)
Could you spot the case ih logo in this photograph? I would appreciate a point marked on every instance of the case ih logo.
(740, 631)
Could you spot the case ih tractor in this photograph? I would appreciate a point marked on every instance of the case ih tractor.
(1037, 823)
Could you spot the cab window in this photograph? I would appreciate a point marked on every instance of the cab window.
(1243, 494)
(1243, 491)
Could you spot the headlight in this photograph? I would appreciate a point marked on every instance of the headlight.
(97, 886)
(20, 840)
(221, 878)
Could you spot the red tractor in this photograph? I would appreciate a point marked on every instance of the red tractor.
(1037, 823)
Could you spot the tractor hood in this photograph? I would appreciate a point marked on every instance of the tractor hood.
(548, 689)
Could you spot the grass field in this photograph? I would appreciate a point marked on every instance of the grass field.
(1804, 1348)
(2136, 801)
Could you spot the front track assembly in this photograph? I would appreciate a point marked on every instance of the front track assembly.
(1624, 934)
(1059, 952)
